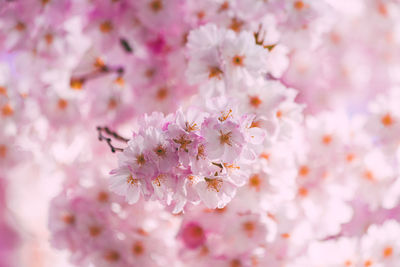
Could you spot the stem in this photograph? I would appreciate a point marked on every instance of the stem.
(109, 140)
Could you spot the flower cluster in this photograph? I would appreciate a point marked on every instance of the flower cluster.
(87, 221)
(193, 156)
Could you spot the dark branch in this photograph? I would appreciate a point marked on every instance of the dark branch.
(109, 140)
(115, 135)
(125, 45)
(100, 72)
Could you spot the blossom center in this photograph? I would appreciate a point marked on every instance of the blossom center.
(120, 81)
(94, 230)
(76, 83)
(299, 5)
(201, 14)
(111, 256)
(156, 5)
(160, 151)
(112, 104)
(132, 181)
(327, 139)
(236, 25)
(285, 235)
(190, 127)
(369, 175)
(183, 142)
(7, 110)
(387, 120)
(387, 252)
(49, 38)
(236, 263)
(238, 60)
(68, 219)
(62, 104)
(200, 152)
(350, 157)
(224, 6)
(102, 196)
(255, 181)
(99, 63)
(214, 184)
(225, 115)
(249, 227)
(214, 72)
(158, 179)
(106, 26)
(20, 26)
(162, 93)
(303, 192)
(255, 124)
(3, 91)
(225, 138)
(3, 151)
(149, 73)
(138, 248)
(304, 170)
(255, 101)
(140, 159)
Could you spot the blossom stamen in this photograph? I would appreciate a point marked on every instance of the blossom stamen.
(348, 263)
(3, 91)
(236, 25)
(215, 72)
(112, 256)
(106, 26)
(138, 248)
(102, 196)
(190, 127)
(156, 5)
(225, 116)
(7, 110)
(255, 182)
(238, 60)
(140, 160)
(132, 181)
(3, 151)
(160, 151)
(214, 184)
(62, 104)
(255, 101)
(387, 120)
(68, 219)
(94, 230)
(387, 252)
(249, 227)
(304, 170)
(183, 142)
(20, 26)
(162, 93)
(327, 139)
(369, 175)
(200, 152)
(76, 83)
(299, 5)
(225, 138)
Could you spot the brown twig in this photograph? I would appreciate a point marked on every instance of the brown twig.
(109, 140)
(115, 135)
